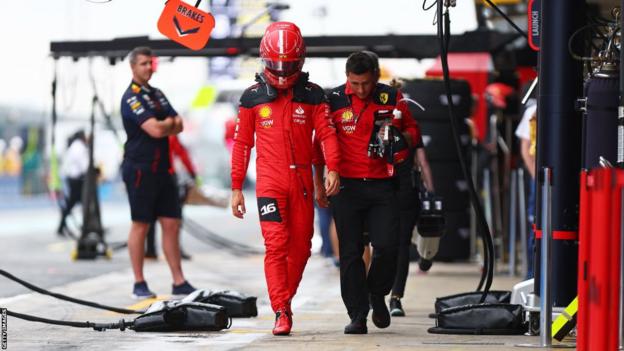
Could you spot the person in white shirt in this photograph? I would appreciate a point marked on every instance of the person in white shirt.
(73, 169)
(527, 132)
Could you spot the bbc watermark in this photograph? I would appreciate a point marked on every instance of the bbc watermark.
(4, 328)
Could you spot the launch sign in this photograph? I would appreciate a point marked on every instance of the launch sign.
(186, 24)
(535, 21)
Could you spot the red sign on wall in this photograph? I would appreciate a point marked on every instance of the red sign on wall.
(186, 24)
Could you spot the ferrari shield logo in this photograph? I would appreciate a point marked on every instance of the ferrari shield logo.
(383, 97)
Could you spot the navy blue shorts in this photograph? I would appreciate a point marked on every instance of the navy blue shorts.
(151, 195)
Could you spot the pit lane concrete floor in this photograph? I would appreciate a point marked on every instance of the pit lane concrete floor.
(319, 313)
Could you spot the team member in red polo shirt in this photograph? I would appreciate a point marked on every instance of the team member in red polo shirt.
(361, 109)
(283, 110)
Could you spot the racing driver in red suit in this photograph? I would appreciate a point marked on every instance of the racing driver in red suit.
(283, 110)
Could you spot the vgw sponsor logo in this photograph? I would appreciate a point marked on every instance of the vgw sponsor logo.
(268, 123)
(348, 129)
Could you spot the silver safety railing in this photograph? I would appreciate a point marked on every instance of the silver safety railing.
(546, 264)
(523, 224)
(513, 223)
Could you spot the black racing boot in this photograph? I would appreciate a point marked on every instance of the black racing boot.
(396, 308)
(357, 326)
(381, 316)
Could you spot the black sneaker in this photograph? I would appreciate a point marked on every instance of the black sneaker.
(61, 231)
(424, 264)
(141, 291)
(396, 309)
(357, 326)
(182, 289)
(381, 316)
(151, 256)
(185, 256)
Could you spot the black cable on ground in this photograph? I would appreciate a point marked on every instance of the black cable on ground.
(65, 297)
(121, 325)
(118, 245)
(444, 38)
(211, 238)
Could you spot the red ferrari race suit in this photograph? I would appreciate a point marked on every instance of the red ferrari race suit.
(283, 122)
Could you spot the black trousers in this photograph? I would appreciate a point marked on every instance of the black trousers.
(375, 201)
(73, 197)
(150, 238)
(409, 205)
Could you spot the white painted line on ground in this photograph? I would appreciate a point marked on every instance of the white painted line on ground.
(236, 338)
(12, 299)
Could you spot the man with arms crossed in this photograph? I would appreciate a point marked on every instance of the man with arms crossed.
(149, 119)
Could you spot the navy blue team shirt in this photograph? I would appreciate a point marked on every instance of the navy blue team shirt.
(138, 104)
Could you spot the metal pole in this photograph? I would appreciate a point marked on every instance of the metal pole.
(497, 211)
(512, 223)
(545, 266)
(487, 193)
(473, 215)
(523, 224)
(559, 135)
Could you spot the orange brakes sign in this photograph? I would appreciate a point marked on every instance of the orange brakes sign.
(186, 24)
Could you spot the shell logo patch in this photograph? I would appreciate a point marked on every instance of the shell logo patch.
(265, 112)
(383, 97)
(347, 116)
(135, 88)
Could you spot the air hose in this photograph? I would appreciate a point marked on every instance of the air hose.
(121, 325)
(443, 24)
(211, 238)
(65, 297)
(163, 316)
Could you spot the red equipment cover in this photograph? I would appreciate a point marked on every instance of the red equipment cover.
(599, 259)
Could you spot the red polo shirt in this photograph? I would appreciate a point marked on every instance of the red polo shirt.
(354, 121)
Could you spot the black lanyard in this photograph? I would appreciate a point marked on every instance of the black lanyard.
(357, 116)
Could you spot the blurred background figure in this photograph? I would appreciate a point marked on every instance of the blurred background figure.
(13, 157)
(2, 149)
(73, 170)
(527, 133)
(325, 222)
(230, 130)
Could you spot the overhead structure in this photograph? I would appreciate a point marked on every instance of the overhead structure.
(396, 46)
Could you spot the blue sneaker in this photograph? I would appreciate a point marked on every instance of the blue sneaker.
(182, 289)
(141, 291)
